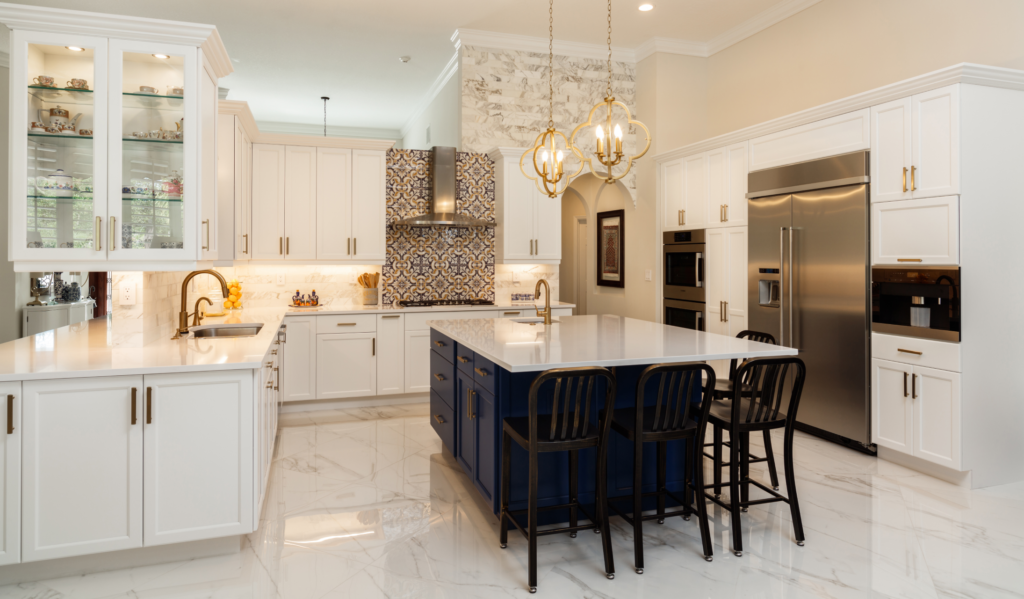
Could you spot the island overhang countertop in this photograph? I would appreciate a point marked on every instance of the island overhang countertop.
(595, 340)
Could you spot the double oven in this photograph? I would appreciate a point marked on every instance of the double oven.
(684, 264)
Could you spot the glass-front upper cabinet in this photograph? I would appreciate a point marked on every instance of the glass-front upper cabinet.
(59, 157)
(153, 193)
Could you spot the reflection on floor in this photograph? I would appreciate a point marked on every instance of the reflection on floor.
(364, 504)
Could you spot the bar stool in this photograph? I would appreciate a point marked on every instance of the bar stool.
(760, 410)
(566, 428)
(679, 413)
(723, 390)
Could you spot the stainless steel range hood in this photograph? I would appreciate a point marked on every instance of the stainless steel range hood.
(442, 207)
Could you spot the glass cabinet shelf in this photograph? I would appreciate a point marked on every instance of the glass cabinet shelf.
(64, 95)
(152, 101)
(61, 140)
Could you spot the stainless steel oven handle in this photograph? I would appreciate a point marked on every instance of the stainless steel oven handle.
(782, 294)
(792, 339)
(700, 269)
(700, 323)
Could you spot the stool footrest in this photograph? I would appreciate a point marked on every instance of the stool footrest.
(550, 531)
(628, 517)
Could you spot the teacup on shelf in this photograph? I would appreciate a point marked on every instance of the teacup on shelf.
(68, 130)
(43, 81)
(38, 127)
(85, 132)
(145, 89)
(175, 90)
(78, 84)
(53, 130)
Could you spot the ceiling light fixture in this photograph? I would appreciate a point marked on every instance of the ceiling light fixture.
(611, 155)
(161, 56)
(403, 58)
(646, 7)
(75, 48)
(551, 179)
(325, 98)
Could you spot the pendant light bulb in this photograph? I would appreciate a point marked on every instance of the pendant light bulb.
(618, 132)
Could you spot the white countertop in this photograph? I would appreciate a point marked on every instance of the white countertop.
(388, 309)
(602, 340)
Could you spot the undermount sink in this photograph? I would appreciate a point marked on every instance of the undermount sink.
(533, 320)
(227, 330)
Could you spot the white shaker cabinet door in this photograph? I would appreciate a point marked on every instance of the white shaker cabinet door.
(671, 177)
(369, 199)
(333, 204)
(891, 406)
(891, 155)
(717, 168)
(82, 466)
(916, 231)
(298, 374)
(716, 277)
(10, 461)
(346, 365)
(736, 300)
(547, 244)
(936, 133)
(198, 456)
(267, 202)
(695, 190)
(390, 354)
(300, 203)
(736, 172)
(519, 214)
(937, 419)
(417, 361)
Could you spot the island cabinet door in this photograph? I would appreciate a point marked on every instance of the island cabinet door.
(82, 466)
(10, 461)
(198, 456)
(465, 429)
(484, 424)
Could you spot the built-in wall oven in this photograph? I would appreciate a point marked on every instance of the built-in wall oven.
(684, 260)
(916, 302)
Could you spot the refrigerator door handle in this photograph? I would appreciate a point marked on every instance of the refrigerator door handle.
(792, 339)
(700, 324)
(700, 269)
(782, 293)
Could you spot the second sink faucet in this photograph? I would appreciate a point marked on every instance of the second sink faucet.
(546, 312)
(182, 330)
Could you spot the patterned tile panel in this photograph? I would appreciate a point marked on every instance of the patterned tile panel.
(438, 262)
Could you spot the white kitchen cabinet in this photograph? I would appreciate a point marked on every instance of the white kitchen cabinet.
(234, 178)
(685, 192)
(300, 199)
(727, 186)
(529, 223)
(346, 365)
(840, 134)
(726, 285)
(268, 184)
(916, 411)
(298, 378)
(334, 203)
(369, 205)
(198, 470)
(891, 155)
(390, 354)
(417, 361)
(10, 461)
(936, 142)
(925, 231)
(216, 212)
(82, 466)
(671, 177)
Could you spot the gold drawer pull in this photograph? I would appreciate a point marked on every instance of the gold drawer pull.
(480, 371)
(908, 259)
(392, 316)
(463, 359)
(439, 377)
(346, 324)
(438, 418)
(910, 351)
(512, 313)
(439, 343)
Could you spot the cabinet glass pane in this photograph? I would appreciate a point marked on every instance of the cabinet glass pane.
(60, 147)
(153, 110)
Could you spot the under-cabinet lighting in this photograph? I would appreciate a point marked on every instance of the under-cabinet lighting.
(161, 56)
(75, 48)
(646, 7)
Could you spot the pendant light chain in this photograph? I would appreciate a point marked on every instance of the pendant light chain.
(608, 91)
(325, 98)
(551, 59)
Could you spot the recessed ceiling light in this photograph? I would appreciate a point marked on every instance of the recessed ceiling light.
(646, 7)
(161, 56)
(75, 48)
(403, 58)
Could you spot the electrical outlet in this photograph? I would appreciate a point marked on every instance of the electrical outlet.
(280, 280)
(127, 295)
(515, 276)
(647, 275)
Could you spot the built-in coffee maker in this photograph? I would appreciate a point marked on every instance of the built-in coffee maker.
(916, 302)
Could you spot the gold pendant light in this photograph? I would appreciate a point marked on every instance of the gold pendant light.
(609, 141)
(546, 155)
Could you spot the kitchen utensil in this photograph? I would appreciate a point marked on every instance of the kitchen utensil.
(43, 81)
(147, 89)
(78, 84)
(360, 279)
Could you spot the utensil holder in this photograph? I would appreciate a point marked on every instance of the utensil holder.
(370, 296)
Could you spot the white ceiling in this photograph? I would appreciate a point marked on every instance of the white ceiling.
(288, 54)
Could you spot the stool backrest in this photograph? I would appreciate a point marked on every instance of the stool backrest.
(679, 388)
(767, 380)
(753, 336)
(571, 402)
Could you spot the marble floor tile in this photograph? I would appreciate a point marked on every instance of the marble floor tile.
(364, 503)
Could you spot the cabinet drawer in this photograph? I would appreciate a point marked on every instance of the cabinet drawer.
(341, 323)
(910, 232)
(442, 377)
(918, 352)
(484, 373)
(464, 358)
(442, 418)
(440, 343)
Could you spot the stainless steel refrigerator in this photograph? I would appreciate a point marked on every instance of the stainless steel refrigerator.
(809, 285)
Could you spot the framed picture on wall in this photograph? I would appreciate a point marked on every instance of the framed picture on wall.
(611, 264)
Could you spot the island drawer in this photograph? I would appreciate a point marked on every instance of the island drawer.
(442, 378)
(442, 418)
(484, 373)
(942, 355)
(464, 358)
(440, 343)
(346, 323)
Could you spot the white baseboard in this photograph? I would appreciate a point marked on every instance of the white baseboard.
(954, 477)
(354, 402)
(116, 560)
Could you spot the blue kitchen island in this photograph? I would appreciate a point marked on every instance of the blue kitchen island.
(481, 371)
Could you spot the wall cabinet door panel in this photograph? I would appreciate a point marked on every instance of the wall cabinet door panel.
(547, 243)
(198, 456)
(346, 365)
(718, 186)
(391, 354)
(10, 461)
(672, 195)
(695, 189)
(737, 171)
(333, 204)
(369, 193)
(916, 231)
(891, 154)
(892, 417)
(82, 466)
(300, 188)
(268, 180)
(298, 377)
(937, 418)
(936, 142)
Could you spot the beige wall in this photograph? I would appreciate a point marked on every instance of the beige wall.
(838, 48)
(443, 116)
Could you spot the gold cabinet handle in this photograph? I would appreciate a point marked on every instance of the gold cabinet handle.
(113, 233)
(134, 415)
(355, 245)
(273, 352)
(346, 324)
(270, 364)
(904, 179)
(913, 179)
(679, 217)
(10, 412)
(149, 405)
(913, 386)
(392, 316)
(277, 379)
(439, 377)
(512, 313)
(438, 418)
(908, 259)
(245, 238)
(469, 404)
(280, 245)
(683, 211)
(480, 371)
(439, 343)
(910, 351)
(287, 245)
(349, 250)
(905, 376)
(98, 233)
(373, 351)
(463, 359)
(207, 246)
(726, 312)
(726, 211)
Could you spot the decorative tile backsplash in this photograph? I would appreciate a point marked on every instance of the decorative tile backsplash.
(438, 262)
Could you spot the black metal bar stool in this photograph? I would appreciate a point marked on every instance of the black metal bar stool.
(723, 390)
(759, 410)
(675, 416)
(566, 428)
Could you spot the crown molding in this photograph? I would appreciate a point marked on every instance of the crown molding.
(310, 131)
(669, 45)
(974, 74)
(757, 24)
(241, 110)
(525, 43)
(447, 73)
(38, 18)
